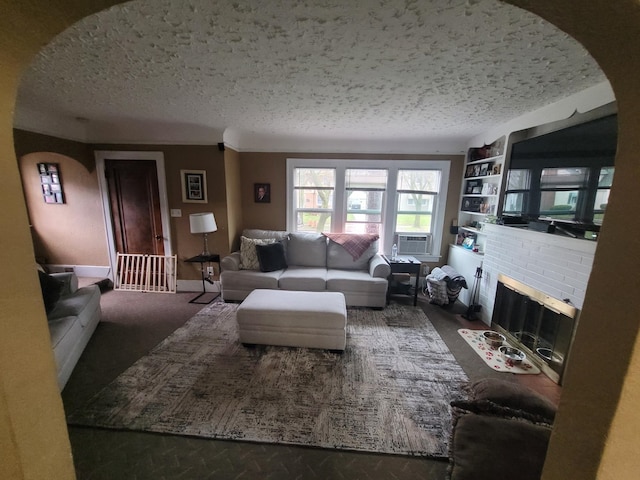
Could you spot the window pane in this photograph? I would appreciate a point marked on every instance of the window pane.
(362, 228)
(606, 177)
(415, 202)
(314, 222)
(313, 198)
(514, 203)
(574, 177)
(363, 201)
(419, 180)
(561, 205)
(518, 179)
(314, 177)
(415, 222)
(364, 179)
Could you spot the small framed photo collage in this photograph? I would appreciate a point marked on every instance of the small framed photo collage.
(51, 183)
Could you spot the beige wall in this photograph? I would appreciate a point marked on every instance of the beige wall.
(191, 157)
(72, 233)
(234, 197)
(272, 168)
(585, 443)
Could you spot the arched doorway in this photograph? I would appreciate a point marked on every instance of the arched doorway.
(610, 327)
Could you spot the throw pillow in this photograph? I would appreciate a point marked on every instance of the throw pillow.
(248, 254)
(271, 257)
(485, 447)
(51, 288)
(521, 400)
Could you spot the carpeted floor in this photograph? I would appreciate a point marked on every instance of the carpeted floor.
(389, 392)
(134, 323)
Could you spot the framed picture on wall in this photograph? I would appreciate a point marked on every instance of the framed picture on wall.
(50, 183)
(262, 192)
(194, 186)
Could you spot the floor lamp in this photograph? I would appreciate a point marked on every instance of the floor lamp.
(203, 223)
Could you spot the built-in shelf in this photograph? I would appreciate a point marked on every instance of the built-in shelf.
(484, 160)
(467, 250)
(480, 190)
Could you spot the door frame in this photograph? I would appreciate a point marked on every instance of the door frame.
(158, 157)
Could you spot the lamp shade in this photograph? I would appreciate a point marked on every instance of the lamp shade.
(202, 222)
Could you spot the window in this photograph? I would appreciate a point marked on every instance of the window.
(417, 192)
(369, 196)
(364, 191)
(314, 191)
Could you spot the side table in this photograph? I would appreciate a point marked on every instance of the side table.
(202, 259)
(404, 264)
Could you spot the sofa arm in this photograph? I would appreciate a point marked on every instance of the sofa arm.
(70, 281)
(378, 267)
(230, 262)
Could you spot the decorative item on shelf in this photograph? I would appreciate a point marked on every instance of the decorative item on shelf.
(203, 223)
(497, 168)
(468, 243)
(51, 183)
(469, 171)
(471, 204)
(484, 169)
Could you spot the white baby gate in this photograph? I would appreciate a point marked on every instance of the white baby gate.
(146, 273)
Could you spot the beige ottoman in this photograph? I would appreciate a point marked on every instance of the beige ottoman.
(293, 319)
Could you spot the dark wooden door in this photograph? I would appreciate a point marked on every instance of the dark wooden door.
(135, 206)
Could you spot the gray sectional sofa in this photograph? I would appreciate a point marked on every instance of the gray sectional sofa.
(73, 314)
(312, 262)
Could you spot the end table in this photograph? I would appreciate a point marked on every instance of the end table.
(404, 264)
(202, 259)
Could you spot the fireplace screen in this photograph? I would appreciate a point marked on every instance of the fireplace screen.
(540, 325)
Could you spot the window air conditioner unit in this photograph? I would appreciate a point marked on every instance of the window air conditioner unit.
(413, 244)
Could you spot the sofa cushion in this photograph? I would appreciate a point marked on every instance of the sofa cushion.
(59, 327)
(307, 250)
(51, 289)
(355, 281)
(271, 257)
(248, 254)
(338, 257)
(250, 280)
(85, 299)
(303, 278)
(485, 447)
(262, 234)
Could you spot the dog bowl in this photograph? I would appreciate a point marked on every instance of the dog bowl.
(494, 339)
(549, 355)
(512, 355)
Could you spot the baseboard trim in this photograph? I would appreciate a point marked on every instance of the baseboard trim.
(196, 286)
(97, 271)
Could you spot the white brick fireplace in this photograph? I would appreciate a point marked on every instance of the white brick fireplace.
(556, 265)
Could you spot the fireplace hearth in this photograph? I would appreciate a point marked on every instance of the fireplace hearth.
(540, 325)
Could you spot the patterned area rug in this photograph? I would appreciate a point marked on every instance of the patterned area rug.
(389, 392)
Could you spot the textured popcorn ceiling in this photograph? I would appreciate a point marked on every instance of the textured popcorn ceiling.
(369, 71)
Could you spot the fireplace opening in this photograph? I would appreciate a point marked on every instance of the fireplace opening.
(540, 325)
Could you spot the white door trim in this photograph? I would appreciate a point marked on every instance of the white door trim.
(158, 157)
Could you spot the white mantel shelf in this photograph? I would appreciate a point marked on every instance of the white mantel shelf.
(551, 239)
